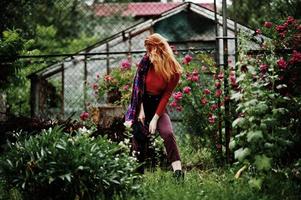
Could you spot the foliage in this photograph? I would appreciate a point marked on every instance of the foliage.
(268, 109)
(60, 166)
(199, 97)
(254, 13)
(11, 45)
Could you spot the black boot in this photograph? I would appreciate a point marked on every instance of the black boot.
(179, 176)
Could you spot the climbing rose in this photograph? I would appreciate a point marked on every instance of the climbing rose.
(187, 59)
(173, 104)
(204, 101)
(125, 64)
(290, 20)
(179, 108)
(296, 57)
(282, 63)
(258, 31)
(263, 68)
(211, 119)
(268, 24)
(126, 87)
(280, 28)
(218, 93)
(186, 90)
(207, 91)
(178, 95)
(218, 84)
(84, 116)
(94, 86)
(220, 76)
(213, 107)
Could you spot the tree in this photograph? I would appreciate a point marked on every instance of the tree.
(254, 13)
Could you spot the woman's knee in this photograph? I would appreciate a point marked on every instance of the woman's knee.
(167, 135)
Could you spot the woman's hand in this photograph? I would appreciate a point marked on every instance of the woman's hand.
(153, 124)
(141, 116)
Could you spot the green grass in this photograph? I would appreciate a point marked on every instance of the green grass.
(212, 185)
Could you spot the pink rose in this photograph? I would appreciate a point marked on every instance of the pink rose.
(218, 93)
(282, 63)
(97, 75)
(263, 68)
(94, 86)
(290, 20)
(125, 64)
(187, 59)
(296, 57)
(126, 87)
(207, 91)
(178, 95)
(186, 90)
(84, 116)
(173, 104)
(211, 119)
(204, 101)
(258, 31)
(220, 76)
(108, 78)
(268, 24)
(218, 84)
(280, 28)
(213, 107)
(179, 108)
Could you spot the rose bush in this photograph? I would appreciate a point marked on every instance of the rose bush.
(268, 96)
(199, 96)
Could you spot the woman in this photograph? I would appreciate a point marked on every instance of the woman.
(157, 75)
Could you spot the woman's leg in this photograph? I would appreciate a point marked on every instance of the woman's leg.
(165, 129)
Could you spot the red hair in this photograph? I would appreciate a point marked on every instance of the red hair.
(161, 55)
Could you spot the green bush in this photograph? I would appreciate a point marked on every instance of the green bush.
(55, 165)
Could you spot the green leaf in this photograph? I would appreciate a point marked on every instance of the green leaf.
(241, 154)
(262, 162)
(255, 183)
(254, 135)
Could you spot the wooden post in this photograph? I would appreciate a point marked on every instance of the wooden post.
(63, 90)
(108, 58)
(226, 86)
(85, 82)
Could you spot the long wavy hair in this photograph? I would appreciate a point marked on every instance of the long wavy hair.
(162, 56)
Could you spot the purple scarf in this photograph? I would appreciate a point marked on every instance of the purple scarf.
(138, 89)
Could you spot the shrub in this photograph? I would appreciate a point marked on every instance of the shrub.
(59, 166)
(199, 96)
(268, 109)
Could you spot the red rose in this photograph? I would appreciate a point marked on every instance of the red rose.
(220, 76)
(218, 93)
(186, 90)
(258, 31)
(211, 119)
(178, 95)
(94, 86)
(263, 68)
(207, 91)
(84, 116)
(218, 84)
(173, 104)
(125, 64)
(213, 107)
(204, 101)
(296, 57)
(290, 20)
(179, 108)
(268, 24)
(280, 28)
(187, 59)
(282, 63)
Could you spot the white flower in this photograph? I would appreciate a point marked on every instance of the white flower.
(128, 124)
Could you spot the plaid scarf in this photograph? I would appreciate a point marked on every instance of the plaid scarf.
(138, 89)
